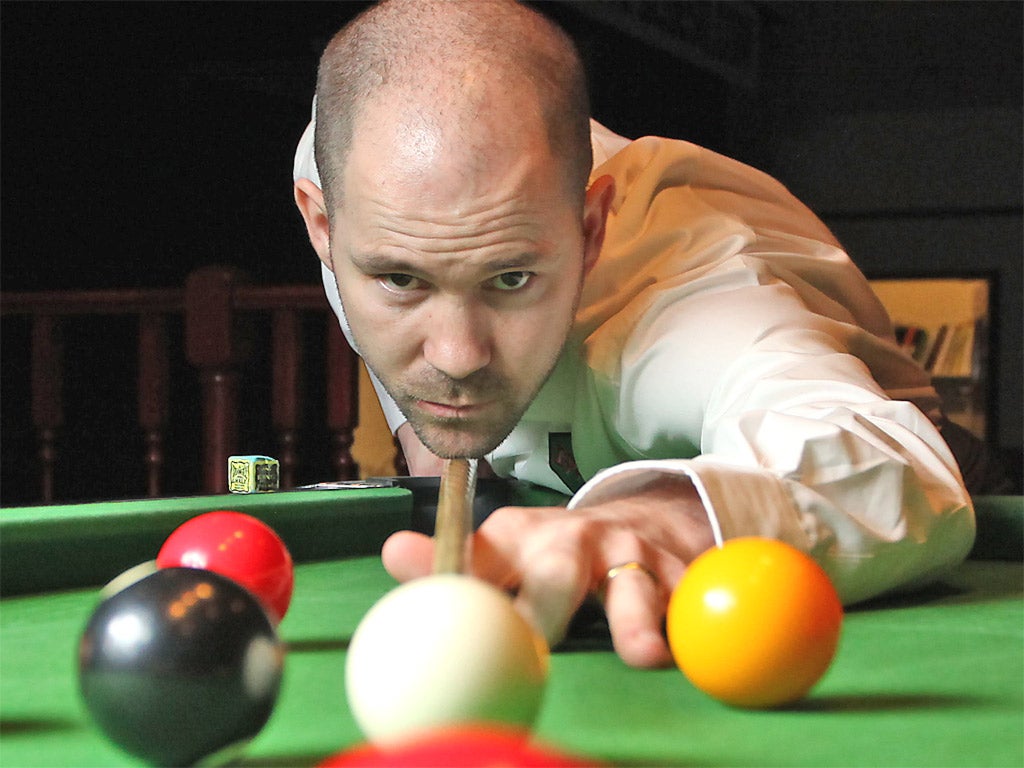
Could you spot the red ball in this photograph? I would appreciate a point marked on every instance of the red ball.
(240, 547)
(462, 747)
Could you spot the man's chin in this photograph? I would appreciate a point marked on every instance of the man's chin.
(450, 443)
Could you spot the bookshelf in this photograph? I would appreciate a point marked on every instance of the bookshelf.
(943, 323)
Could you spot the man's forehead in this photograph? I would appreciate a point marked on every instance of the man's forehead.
(439, 116)
(414, 154)
(398, 132)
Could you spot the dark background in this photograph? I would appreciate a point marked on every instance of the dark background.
(143, 140)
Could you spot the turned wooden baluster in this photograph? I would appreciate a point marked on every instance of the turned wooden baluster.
(211, 347)
(286, 389)
(47, 405)
(152, 393)
(342, 400)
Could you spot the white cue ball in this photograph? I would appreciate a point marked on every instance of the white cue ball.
(443, 650)
(127, 578)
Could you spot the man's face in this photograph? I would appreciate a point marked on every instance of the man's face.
(459, 272)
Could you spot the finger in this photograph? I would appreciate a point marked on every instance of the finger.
(553, 586)
(490, 562)
(498, 546)
(408, 555)
(635, 607)
(544, 564)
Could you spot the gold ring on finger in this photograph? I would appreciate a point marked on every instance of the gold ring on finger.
(632, 565)
(621, 568)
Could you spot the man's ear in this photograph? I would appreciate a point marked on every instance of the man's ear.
(309, 199)
(595, 214)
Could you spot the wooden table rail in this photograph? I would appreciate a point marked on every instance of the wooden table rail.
(214, 306)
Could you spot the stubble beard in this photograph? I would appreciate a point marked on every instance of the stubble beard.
(470, 437)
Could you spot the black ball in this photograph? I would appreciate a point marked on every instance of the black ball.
(180, 665)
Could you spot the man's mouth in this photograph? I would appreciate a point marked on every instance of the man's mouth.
(443, 410)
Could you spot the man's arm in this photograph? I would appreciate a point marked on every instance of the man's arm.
(798, 441)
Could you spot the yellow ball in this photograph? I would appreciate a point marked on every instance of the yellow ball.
(754, 623)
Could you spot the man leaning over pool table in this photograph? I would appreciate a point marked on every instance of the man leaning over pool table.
(663, 332)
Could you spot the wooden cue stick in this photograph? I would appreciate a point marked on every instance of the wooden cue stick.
(454, 522)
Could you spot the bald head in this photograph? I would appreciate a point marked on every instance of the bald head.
(452, 72)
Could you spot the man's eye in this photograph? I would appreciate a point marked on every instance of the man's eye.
(511, 281)
(397, 281)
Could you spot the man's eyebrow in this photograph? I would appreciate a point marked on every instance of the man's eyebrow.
(520, 261)
(380, 264)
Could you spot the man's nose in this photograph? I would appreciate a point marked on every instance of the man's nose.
(458, 343)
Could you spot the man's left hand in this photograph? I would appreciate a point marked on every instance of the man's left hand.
(552, 559)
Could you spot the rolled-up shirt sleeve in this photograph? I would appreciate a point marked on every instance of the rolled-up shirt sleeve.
(797, 440)
(729, 338)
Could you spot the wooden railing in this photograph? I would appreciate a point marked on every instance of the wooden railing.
(212, 306)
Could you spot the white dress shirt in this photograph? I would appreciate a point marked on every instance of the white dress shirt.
(724, 334)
